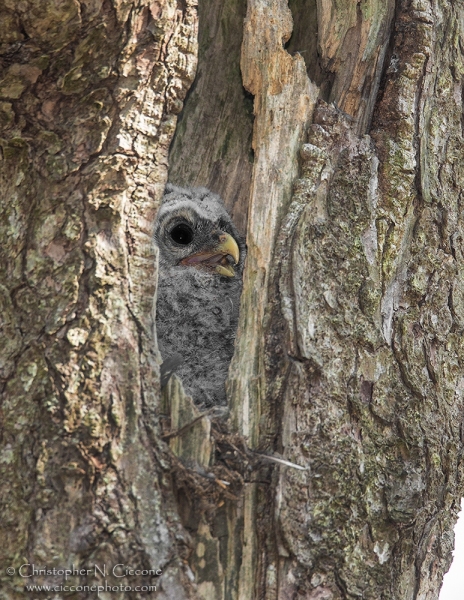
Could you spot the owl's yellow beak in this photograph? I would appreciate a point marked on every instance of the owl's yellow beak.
(228, 246)
(216, 258)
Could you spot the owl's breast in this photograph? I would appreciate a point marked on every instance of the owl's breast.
(197, 316)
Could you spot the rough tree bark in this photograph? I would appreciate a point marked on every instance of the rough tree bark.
(89, 96)
(349, 355)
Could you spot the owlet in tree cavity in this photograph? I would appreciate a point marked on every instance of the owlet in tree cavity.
(201, 259)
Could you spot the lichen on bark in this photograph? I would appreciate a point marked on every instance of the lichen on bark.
(90, 94)
(367, 378)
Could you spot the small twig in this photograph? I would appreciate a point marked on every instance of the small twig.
(281, 461)
(187, 426)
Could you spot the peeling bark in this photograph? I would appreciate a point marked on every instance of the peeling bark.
(348, 357)
(362, 356)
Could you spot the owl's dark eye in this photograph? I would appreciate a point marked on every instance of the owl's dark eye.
(181, 234)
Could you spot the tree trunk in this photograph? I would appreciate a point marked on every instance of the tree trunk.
(347, 178)
(89, 97)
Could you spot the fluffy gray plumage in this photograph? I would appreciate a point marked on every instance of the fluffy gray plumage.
(201, 259)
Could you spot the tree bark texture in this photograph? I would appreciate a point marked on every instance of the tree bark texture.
(89, 97)
(366, 312)
(349, 356)
(348, 363)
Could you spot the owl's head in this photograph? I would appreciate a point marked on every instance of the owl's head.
(193, 229)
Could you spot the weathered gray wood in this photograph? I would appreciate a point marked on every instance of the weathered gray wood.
(348, 356)
(212, 144)
(360, 375)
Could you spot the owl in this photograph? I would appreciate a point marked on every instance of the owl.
(201, 258)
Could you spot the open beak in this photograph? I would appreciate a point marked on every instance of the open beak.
(216, 258)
